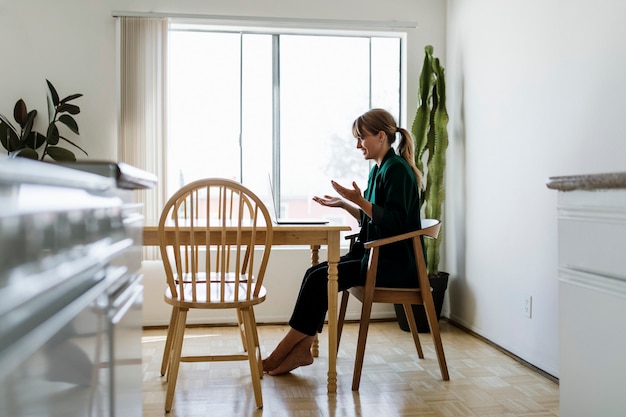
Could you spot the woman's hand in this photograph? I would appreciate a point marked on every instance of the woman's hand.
(329, 201)
(353, 195)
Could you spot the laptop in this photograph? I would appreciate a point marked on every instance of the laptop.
(290, 220)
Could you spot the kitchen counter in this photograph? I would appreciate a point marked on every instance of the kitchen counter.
(591, 213)
(588, 182)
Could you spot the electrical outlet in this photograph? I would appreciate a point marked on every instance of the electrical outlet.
(528, 306)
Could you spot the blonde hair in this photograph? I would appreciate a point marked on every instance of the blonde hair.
(380, 120)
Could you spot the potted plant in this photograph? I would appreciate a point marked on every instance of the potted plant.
(26, 142)
(430, 132)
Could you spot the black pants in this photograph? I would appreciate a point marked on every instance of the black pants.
(312, 302)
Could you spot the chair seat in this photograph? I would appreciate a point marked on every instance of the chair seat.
(229, 299)
(390, 295)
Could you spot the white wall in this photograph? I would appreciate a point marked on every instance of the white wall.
(537, 89)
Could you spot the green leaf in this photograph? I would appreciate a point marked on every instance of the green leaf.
(52, 136)
(51, 109)
(26, 153)
(20, 113)
(5, 136)
(9, 136)
(53, 93)
(70, 98)
(69, 121)
(34, 140)
(28, 126)
(60, 154)
(68, 108)
(5, 120)
(52, 98)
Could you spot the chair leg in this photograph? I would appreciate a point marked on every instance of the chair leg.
(257, 345)
(177, 347)
(241, 330)
(366, 312)
(431, 315)
(168, 341)
(345, 295)
(408, 311)
(251, 337)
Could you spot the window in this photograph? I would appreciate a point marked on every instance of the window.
(243, 104)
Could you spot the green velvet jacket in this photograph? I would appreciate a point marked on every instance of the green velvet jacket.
(393, 191)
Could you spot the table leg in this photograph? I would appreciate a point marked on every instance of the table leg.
(315, 254)
(315, 259)
(315, 347)
(333, 290)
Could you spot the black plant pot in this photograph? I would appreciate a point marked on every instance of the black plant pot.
(439, 284)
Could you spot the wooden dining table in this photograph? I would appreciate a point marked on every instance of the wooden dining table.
(313, 236)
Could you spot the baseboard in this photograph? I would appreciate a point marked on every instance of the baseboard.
(503, 350)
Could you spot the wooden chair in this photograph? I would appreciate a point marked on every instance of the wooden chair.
(421, 294)
(223, 236)
(183, 213)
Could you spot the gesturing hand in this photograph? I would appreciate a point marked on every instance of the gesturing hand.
(353, 195)
(329, 201)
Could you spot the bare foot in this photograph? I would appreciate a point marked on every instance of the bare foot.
(299, 356)
(284, 348)
(272, 361)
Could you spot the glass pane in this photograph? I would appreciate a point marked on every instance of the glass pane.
(257, 113)
(324, 84)
(386, 75)
(203, 107)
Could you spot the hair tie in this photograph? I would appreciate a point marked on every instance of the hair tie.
(397, 129)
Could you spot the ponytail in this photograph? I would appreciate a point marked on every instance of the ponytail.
(406, 150)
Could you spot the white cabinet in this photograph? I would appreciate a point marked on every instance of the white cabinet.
(592, 294)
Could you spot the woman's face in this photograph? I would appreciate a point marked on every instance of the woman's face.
(372, 145)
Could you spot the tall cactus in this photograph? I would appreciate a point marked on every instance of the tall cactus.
(430, 131)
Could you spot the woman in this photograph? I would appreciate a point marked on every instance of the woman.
(389, 206)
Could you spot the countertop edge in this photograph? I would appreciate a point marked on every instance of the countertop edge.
(588, 182)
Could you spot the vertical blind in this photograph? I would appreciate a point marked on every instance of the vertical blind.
(142, 136)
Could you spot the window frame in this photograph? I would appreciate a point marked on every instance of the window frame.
(177, 24)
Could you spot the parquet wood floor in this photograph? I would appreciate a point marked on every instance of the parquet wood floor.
(483, 382)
